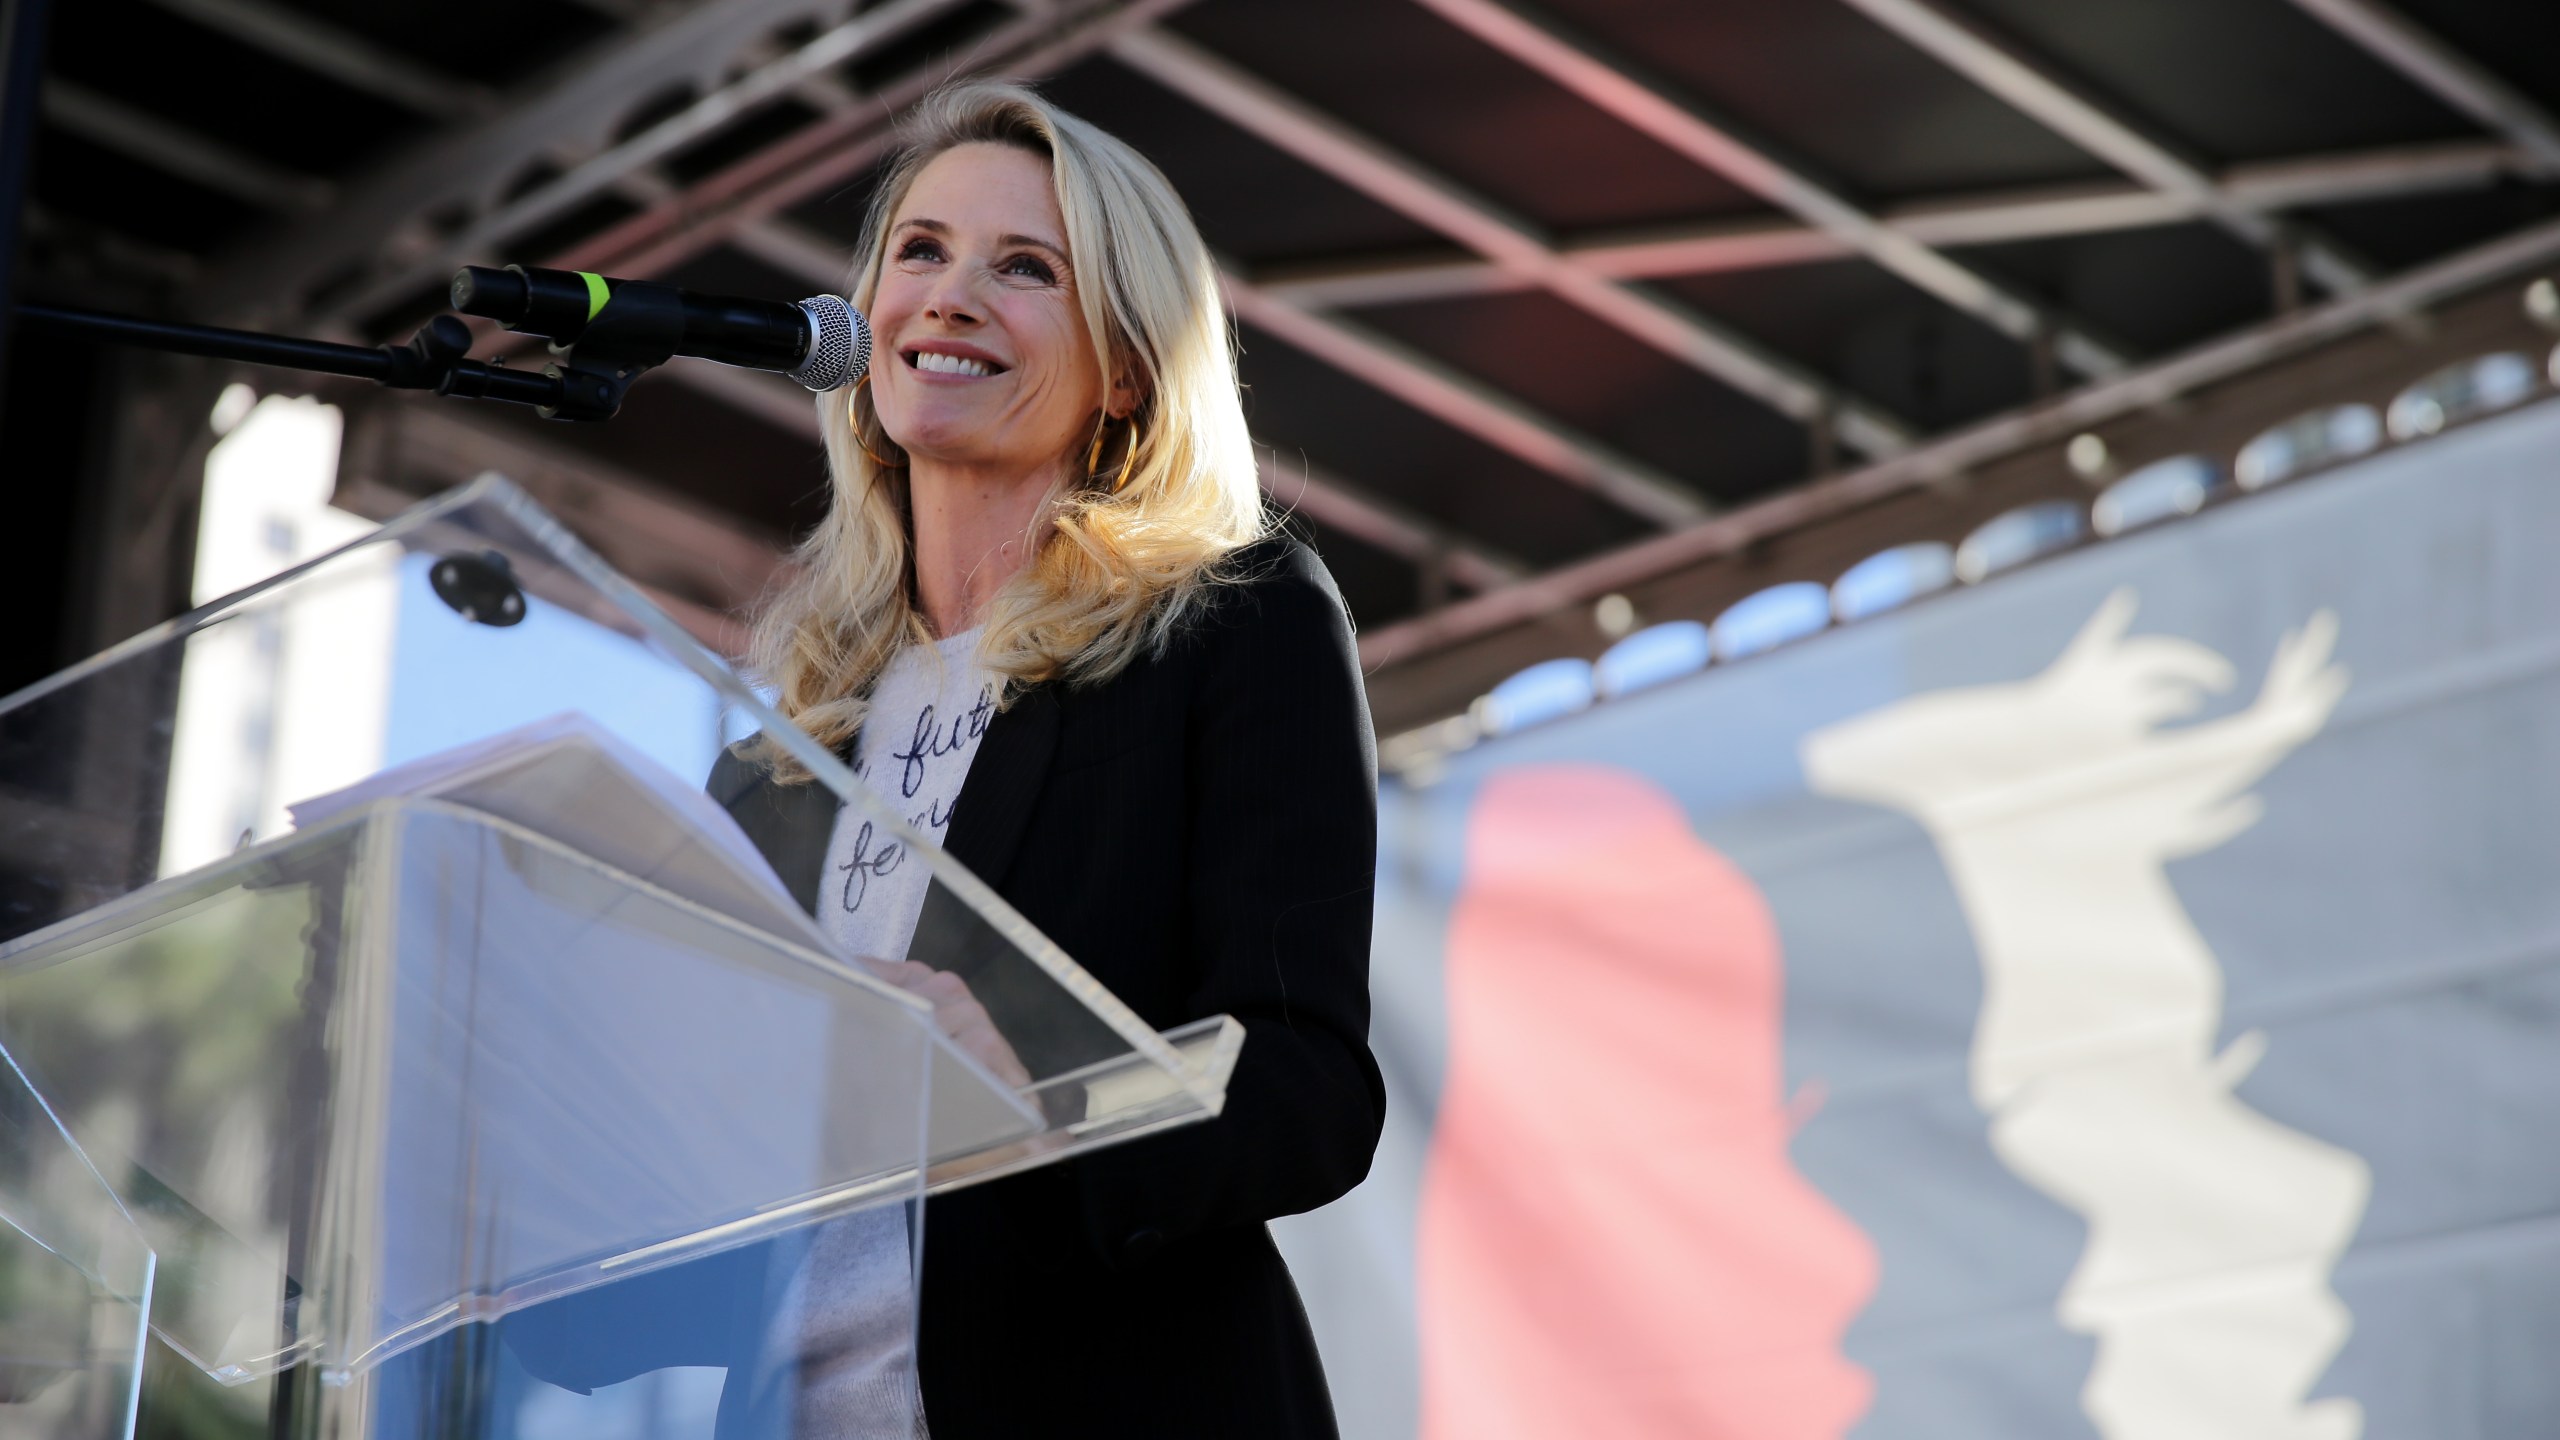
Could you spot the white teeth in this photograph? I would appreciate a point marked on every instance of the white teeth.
(927, 360)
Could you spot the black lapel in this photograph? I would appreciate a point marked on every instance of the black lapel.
(791, 824)
(1004, 782)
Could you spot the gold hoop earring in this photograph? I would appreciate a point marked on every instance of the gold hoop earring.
(856, 426)
(1093, 452)
(1132, 457)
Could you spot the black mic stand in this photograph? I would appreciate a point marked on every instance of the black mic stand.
(634, 332)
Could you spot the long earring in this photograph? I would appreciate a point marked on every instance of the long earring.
(1132, 458)
(856, 427)
(1093, 452)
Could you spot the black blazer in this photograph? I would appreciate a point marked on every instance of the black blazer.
(1200, 832)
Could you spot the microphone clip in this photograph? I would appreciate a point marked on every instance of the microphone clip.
(635, 329)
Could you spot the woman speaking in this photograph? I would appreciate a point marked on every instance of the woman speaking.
(1044, 617)
(1141, 722)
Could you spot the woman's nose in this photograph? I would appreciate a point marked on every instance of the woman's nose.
(951, 299)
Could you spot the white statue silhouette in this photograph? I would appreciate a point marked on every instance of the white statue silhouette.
(2054, 803)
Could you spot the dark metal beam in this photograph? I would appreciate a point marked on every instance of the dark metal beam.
(1470, 405)
(1244, 99)
(1685, 124)
(2036, 88)
(1967, 449)
(2455, 78)
(1993, 217)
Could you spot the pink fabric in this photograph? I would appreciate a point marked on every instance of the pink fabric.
(1613, 1238)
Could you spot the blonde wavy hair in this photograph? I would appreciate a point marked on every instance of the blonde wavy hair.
(1121, 563)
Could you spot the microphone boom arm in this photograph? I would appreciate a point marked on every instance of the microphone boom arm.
(605, 333)
(433, 359)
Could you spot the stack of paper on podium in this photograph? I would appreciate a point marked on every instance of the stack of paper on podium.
(569, 779)
(518, 1018)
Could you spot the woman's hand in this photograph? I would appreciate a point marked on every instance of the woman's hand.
(958, 1013)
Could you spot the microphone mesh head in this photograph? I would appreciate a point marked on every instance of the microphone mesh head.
(839, 344)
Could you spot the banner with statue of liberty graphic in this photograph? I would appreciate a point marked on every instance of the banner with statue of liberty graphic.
(2119, 1000)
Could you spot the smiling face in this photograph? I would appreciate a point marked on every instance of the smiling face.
(990, 366)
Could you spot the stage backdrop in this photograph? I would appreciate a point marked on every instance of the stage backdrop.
(2119, 1000)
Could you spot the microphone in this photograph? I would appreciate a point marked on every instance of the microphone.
(822, 342)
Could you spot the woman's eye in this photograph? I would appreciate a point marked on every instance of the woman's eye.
(920, 249)
(1030, 267)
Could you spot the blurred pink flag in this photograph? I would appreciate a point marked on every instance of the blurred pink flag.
(1613, 1239)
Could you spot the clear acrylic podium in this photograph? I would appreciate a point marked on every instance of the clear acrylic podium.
(361, 1092)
